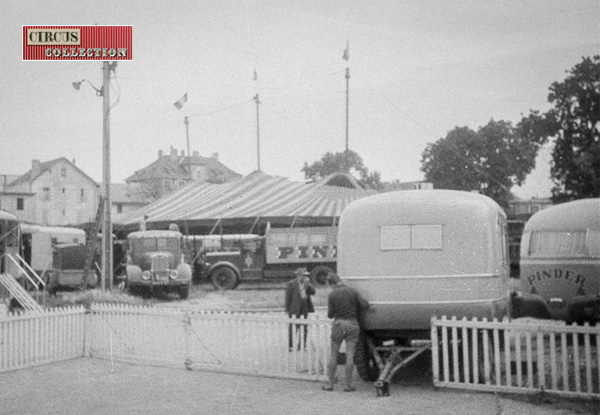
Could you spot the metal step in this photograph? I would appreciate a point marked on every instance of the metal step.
(18, 292)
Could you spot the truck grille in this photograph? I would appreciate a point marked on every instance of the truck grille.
(160, 267)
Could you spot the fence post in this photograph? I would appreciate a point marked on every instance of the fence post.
(434, 351)
(187, 333)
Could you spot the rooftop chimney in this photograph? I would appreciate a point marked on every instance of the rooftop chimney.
(195, 153)
(215, 156)
(160, 153)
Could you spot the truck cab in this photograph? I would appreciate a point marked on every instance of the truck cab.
(227, 259)
(156, 262)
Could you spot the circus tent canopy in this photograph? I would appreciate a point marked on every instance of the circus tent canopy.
(257, 195)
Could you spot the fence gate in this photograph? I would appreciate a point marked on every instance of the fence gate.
(35, 338)
(231, 342)
(516, 356)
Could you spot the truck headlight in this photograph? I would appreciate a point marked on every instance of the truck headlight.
(146, 275)
(173, 274)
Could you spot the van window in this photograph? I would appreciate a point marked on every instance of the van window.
(557, 244)
(427, 237)
(395, 238)
(404, 237)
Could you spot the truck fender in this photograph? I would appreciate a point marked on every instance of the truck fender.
(133, 273)
(529, 305)
(584, 308)
(184, 271)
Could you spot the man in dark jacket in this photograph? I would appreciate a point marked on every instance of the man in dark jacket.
(298, 303)
(345, 305)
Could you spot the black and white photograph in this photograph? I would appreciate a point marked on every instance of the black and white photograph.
(303, 207)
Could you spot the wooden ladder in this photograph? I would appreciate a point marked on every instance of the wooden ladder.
(20, 293)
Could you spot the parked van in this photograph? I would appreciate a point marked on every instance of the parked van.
(560, 263)
(38, 243)
(420, 253)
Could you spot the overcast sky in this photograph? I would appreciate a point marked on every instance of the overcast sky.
(418, 69)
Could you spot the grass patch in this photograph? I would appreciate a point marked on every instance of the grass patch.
(86, 298)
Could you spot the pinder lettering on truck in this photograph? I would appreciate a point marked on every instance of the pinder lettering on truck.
(306, 252)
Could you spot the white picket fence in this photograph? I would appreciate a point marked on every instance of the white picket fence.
(33, 338)
(513, 356)
(231, 342)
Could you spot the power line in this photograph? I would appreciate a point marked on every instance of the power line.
(455, 150)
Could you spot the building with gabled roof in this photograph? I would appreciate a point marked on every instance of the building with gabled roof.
(172, 171)
(52, 193)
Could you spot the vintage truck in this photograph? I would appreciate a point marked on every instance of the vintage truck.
(226, 260)
(156, 262)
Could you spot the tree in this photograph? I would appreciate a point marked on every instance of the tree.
(345, 162)
(575, 124)
(490, 160)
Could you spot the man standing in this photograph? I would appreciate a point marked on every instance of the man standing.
(298, 303)
(344, 306)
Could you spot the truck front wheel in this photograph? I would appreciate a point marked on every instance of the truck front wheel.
(224, 278)
(366, 366)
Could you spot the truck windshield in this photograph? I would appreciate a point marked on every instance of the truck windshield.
(156, 244)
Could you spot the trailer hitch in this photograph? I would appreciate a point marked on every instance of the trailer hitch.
(389, 359)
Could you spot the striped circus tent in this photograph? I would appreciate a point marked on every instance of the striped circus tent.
(250, 198)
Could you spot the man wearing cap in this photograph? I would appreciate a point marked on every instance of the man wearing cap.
(298, 303)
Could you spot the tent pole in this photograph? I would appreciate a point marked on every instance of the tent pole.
(215, 227)
(254, 224)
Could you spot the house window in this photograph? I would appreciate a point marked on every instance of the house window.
(20, 203)
(82, 195)
(46, 193)
(63, 190)
(119, 208)
(63, 172)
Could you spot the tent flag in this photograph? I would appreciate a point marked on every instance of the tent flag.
(179, 103)
(347, 51)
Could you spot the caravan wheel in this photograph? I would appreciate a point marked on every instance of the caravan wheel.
(366, 366)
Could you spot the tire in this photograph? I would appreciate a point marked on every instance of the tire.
(318, 275)
(184, 292)
(366, 366)
(224, 278)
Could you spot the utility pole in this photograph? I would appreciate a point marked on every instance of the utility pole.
(187, 135)
(347, 103)
(257, 132)
(107, 243)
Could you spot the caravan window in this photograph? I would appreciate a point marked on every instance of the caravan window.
(563, 244)
(395, 238)
(404, 237)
